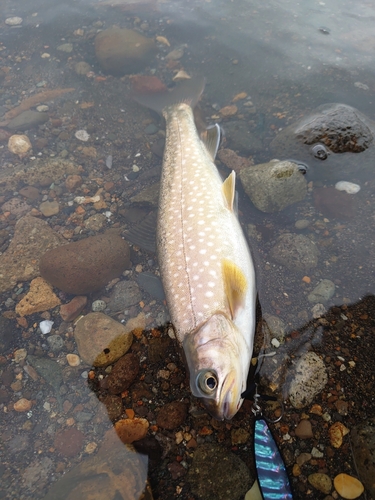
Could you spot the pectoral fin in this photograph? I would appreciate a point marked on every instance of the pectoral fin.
(211, 139)
(229, 190)
(235, 285)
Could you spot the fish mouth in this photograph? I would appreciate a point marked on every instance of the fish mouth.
(228, 403)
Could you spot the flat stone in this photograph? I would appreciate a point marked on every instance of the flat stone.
(308, 378)
(39, 298)
(23, 405)
(49, 208)
(95, 222)
(148, 195)
(130, 430)
(274, 327)
(86, 265)
(151, 284)
(30, 192)
(70, 311)
(296, 252)
(321, 482)
(101, 340)
(218, 474)
(68, 442)
(27, 120)
(322, 293)
(124, 294)
(348, 487)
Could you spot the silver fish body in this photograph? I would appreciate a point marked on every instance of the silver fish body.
(206, 266)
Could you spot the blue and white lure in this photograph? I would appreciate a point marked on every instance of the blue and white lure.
(271, 471)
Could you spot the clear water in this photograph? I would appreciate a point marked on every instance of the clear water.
(289, 58)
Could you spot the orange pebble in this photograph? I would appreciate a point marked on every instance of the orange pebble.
(130, 413)
(306, 279)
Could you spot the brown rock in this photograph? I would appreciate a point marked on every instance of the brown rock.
(87, 265)
(39, 298)
(304, 429)
(348, 487)
(229, 110)
(69, 442)
(123, 51)
(70, 311)
(113, 406)
(73, 182)
(49, 208)
(101, 340)
(73, 360)
(233, 161)
(32, 237)
(16, 207)
(23, 405)
(172, 415)
(123, 374)
(336, 433)
(130, 430)
(30, 192)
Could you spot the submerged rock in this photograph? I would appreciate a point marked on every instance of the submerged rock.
(27, 120)
(39, 298)
(322, 293)
(86, 265)
(123, 51)
(295, 251)
(273, 186)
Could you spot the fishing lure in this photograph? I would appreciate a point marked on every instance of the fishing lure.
(271, 471)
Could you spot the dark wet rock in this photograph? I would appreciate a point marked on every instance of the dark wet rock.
(334, 203)
(124, 294)
(322, 293)
(304, 429)
(177, 470)
(86, 265)
(123, 51)
(123, 374)
(172, 415)
(151, 284)
(157, 348)
(217, 474)
(32, 237)
(55, 342)
(241, 139)
(8, 333)
(101, 340)
(343, 130)
(70, 311)
(273, 186)
(69, 442)
(308, 377)
(363, 443)
(149, 446)
(16, 207)
(49, 370)
(18, 443)
(27, 120)
(113, 406)
(296, 252)
(115, 472)
(30, 192)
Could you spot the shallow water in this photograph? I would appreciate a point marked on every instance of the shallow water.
(289, 58)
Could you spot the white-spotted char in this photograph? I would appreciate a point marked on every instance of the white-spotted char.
(205, 264)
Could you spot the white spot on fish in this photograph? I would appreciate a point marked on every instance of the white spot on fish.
(209, 294)
(202, 251)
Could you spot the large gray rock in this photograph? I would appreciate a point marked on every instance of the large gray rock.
(273, 186)
(363, 442)
(296, 252)
(123, 51)
(322, 292)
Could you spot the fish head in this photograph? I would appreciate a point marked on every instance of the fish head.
(218, 359)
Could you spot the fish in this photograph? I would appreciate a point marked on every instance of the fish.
(205, 263)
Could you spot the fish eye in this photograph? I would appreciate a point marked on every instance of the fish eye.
(207, 382)
(320, 151)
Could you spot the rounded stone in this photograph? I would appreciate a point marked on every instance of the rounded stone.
(130, 430)
(123, 374)
(69, 442)
(304, 430)
(172, 415)
(349, 187)
(123, 51)
(322, 293)
(27, 120)
(348, 486)
(23, 405)
(49, 208)
(82, 68)
(19, 145)
(87, 265)
(309, 376)
(98, 305)
(321, 482)
(56, 343)
(296, 252)
(14, 21)
(73, 360)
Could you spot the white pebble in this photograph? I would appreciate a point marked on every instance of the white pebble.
(13, 21)
(45, 326)
(349, 187)
(47, 406)
(82, 135)
(275, 343)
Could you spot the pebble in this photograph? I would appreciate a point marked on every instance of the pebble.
(82, 135)
(315, 453)
(295, 251)
(302, 224)
(19, 355)
(349, 187)
(124, 295)
(49, 208)
(309, 379)
(56, 343)
(304, 429)
(348, 486)
(98, 305)
(45, 326)
(101, 340)
(123, 374)
(13, 21)
(336, 433)
(27, 120)
(131, 429)
(30, 192)
(229, 110)
(151, 129)
(318, 311)
(321, 482)
(72, 182)
(42, 108)
(73, 360)
(65, 47)
(172, 415)
(303, 458)
(322, 293)
(40, 298)
(19, 145)
(23, 405)
(239, 436)
(70, 311)
(68, 442)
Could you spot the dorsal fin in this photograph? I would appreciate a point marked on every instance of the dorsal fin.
(235, 285)
(229, 190)
(211, 139)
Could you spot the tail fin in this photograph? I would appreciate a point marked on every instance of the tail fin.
(188, 91)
